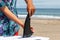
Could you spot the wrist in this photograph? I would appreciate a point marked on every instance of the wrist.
(29, 2)
(22, 25)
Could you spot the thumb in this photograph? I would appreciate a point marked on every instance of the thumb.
(30, 13)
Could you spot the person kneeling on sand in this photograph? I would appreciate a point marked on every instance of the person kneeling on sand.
(8, 17)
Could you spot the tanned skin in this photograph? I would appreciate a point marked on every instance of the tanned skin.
(9, 14)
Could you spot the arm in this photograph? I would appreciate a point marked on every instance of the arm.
(10, 15)
(30, 7)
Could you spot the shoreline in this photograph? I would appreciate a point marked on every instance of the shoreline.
(40, 17)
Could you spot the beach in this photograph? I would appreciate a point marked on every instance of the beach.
(44, 28)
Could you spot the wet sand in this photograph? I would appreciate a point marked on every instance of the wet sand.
(45, 28)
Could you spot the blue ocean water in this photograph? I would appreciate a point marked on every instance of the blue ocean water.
(41, 11)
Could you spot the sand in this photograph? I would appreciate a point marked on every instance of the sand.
(45, 28)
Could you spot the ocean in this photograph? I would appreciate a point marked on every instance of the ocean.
(41, 13)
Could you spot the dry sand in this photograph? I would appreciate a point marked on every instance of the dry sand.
(45, 28)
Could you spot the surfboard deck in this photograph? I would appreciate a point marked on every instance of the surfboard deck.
(20, 38)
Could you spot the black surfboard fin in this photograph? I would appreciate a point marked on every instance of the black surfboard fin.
(27, 30)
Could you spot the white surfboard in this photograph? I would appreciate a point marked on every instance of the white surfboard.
(20, 38)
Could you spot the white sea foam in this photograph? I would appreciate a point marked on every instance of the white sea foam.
(40, 17)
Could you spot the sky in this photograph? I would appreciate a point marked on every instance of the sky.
(40, 3)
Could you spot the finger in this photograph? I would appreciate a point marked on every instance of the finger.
(29, 12)
(32, 12)
(32, 29)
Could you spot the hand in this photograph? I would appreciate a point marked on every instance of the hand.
(32, 29)
(30, 9)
